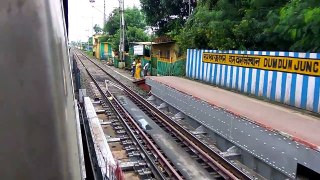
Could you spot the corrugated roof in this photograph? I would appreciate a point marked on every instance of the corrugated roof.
(151, 43)
(142, 43)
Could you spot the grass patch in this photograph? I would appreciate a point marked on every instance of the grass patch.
(89, 53)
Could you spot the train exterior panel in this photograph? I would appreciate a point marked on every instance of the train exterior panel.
(38, 133)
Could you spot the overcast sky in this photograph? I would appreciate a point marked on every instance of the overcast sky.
(81, 13)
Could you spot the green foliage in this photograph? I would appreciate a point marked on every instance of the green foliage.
(133, 34)
(115, 41)
(136, 34)
(133, 18)
(135, 27)
(90, 40)
(113, 23)
(165, 15)
(212, 28)
(97, 29)
(104, 38)
(281, 25)
(299, 24)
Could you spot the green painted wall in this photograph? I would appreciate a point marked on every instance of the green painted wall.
(176, 68)
(101, 50)
(105, 51)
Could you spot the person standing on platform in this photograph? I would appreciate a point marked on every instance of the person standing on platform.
(133, 66)
(138, 70)
(145, 69)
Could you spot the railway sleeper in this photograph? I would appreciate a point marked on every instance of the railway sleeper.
(108, 110)
(118, 127)
(115, 123)
(121, 132)
(130, 148)
(140, 164)
(145, 171)
(123, 137)
(134, 154)
(127, 142)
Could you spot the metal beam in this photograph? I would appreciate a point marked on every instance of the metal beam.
(277, 151)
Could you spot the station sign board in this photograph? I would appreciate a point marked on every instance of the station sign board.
(274, 63)
(138, 50)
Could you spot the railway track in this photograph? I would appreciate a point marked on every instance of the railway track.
(159, 165)
(218, 166)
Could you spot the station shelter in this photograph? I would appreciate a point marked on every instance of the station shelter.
(169, 57)
(141, 51)
(102, 50)
(164, 56)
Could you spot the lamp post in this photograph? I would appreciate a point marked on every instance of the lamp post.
(122, 30)
(104, 13)
(122, 27)
(88, 39)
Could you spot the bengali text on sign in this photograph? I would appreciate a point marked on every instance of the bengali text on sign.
(275, 63)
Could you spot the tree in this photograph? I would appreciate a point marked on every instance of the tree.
(97, 29)
(113, 23)
(250, 31)
(90, 40)
(134, 23)
(165, 15)
(211, 25)
(133, 34)
(279, 25)
(133, 18)
(298, 25)
(104, 38)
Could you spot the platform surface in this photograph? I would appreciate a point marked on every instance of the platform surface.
(301, 127)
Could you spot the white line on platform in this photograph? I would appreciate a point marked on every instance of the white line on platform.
(120, 74)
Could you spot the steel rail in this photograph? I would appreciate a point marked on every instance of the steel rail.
(214, 159)
(116, 105)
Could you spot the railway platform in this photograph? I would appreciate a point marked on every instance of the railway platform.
(299, 126)
(122, 74)
(279, 137)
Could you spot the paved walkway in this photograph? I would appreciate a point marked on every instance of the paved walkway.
(301, 127)
(123, 73)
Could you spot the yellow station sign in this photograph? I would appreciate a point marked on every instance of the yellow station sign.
(274, 63)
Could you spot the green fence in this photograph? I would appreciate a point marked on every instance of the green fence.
(128, 62)
(116, 62)
(171, 69)
(144, 61)
(179, 68)
(158, 67)
(154, 71)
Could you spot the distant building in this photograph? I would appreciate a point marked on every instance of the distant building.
(101, 50)
(165, 57)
